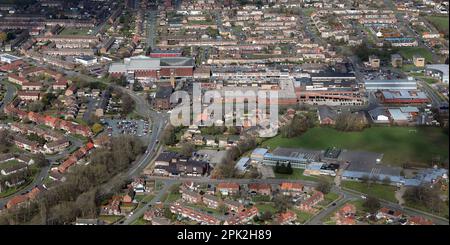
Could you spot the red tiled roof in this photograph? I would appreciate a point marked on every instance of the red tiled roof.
(16, 200)
(286, 216)
(419, 220)
(259, 186)
(291, 186)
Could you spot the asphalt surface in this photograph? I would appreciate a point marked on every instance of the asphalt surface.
(9, 94)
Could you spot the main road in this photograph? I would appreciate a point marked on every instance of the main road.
(9, 94)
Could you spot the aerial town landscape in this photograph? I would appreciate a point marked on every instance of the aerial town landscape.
(89, 93)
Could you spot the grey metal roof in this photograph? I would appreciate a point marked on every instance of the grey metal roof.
(440, 67)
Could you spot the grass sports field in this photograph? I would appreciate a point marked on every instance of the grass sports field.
(399, 144)
(409, 52)
(440, 22)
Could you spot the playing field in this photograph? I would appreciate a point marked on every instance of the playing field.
(409, 52)
(399, 144)
(440, 22)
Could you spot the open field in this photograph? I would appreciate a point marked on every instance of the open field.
(443, 213)
(74, 31)
(329, 198)
(140, 221)
(263, 207)
(386, 192)
(440, 22)
(399, 144)
(302, 217)
(409, 52)
(110, 219)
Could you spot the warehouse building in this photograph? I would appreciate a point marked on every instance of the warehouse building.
(439, 71)
(146, 67)
(395, 84)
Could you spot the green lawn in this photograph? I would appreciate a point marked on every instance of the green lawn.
(74, 31)
(308, 11)
(409, 52)
(428, 80)
(263, 207)
(296, 174)
(399, 144)
(173, 197)
(329, 198)
(443, 213)
(143, 198)
(386, 192)
(204, 208)
(440, 22)
(261, 198)
(140, 221)
(302, 217)
(110, 219)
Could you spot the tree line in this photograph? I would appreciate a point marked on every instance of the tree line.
(79, 195)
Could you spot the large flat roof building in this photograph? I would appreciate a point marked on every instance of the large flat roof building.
(143, 66)
(297, 157)
(395, 84)
(438, 70)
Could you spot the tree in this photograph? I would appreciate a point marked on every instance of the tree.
(137, 86)
(347, 121)
(267, 215)
(187, 148)
(282, 202)
(283, 169)
(5, 140)
(386, 180)
(127, 104)
(40, 160)
(3, 37)
(426, 197)
(212, 32)
(36, 106)
(365, 179)
(222, 208)
(168, 136)
(324, 186)
(371, 204)
(97, 128)
(175, 189)
(121, 81)
(224, 171)
(299, 125)
(374, 179)
(48, 98)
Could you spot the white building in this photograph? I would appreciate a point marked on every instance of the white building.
(86, 60)
(438, 70)
(7, 58)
